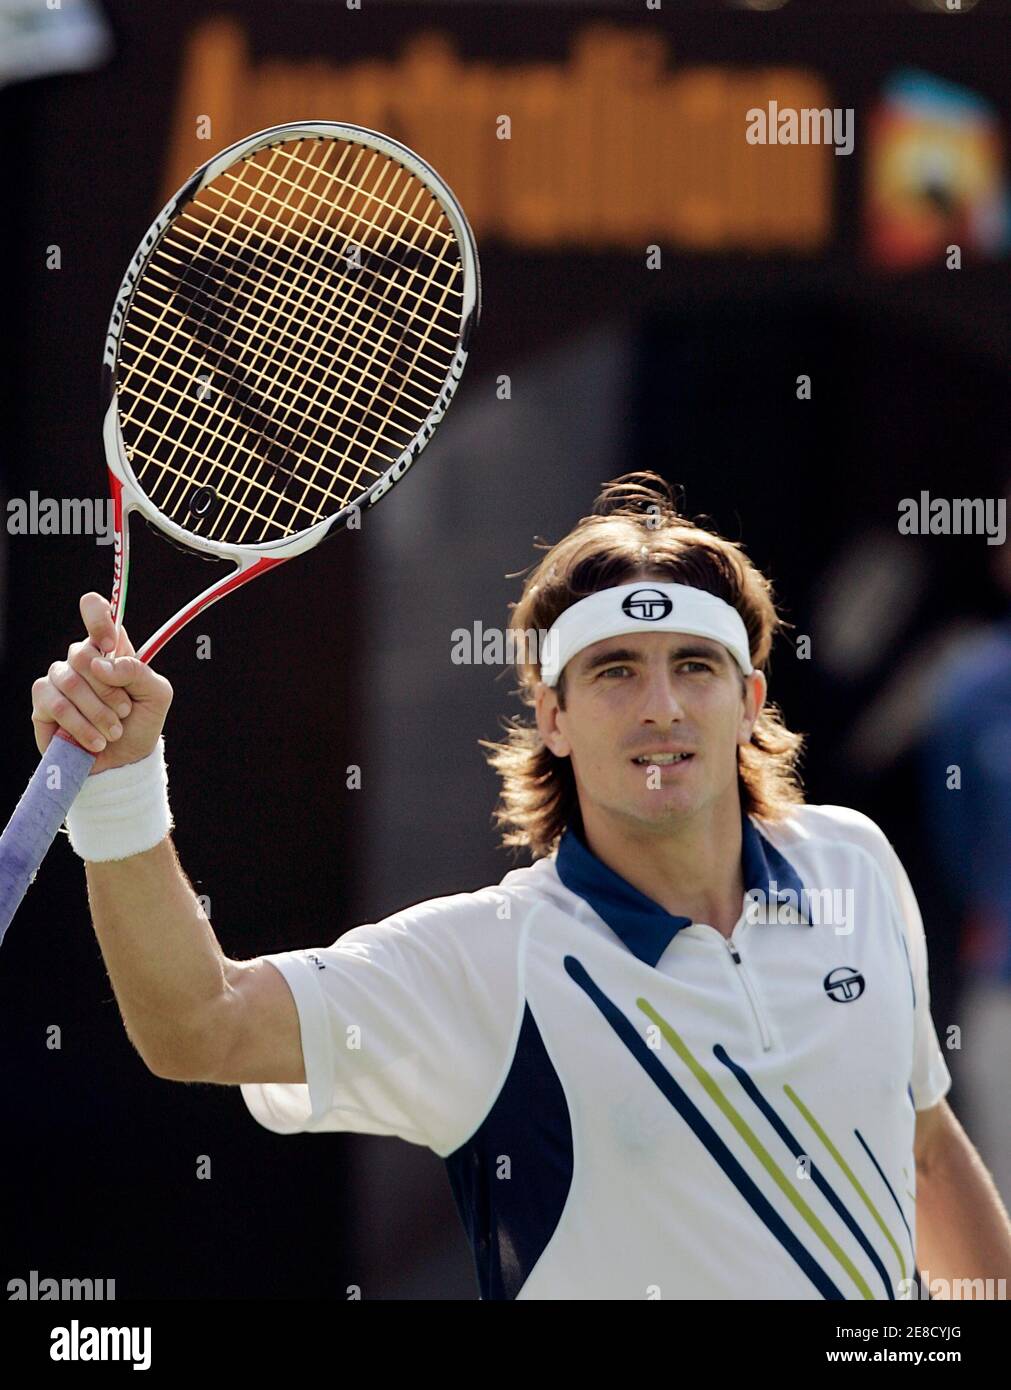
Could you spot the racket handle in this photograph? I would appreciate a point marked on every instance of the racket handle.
(60, 775)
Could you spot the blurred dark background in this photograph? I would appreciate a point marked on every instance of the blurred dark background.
(797, 263)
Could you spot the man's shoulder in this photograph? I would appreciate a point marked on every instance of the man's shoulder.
(503, 907)
(827, 825)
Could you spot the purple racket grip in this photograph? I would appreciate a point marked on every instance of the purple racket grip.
(32, 828)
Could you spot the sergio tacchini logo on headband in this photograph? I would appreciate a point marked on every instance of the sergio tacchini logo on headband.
(648, 605)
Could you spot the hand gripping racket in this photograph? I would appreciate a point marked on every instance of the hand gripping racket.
(286, 339)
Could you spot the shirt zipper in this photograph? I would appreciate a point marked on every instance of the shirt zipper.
(749, 990)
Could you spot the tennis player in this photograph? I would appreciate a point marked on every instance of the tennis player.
(687, 1053)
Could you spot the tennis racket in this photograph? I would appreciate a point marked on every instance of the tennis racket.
(285, 342)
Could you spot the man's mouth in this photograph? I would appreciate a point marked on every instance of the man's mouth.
(661, 759)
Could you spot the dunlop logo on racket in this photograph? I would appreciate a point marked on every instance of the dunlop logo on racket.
(125, 289)
(428, 429)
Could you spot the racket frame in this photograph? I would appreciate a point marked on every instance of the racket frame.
(127, 493)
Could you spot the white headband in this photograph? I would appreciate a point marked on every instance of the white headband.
(640, 607)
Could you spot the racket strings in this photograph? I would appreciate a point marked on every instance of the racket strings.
(264, 370)
(314, 316)
(275, 283)
(336, 261)
(419, 193)
(259, 185)
(250, 458)
(370, 196)
(314, 324)
(357, 391)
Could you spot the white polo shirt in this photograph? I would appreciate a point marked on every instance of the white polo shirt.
(629, 1104)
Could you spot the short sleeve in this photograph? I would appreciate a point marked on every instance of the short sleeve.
(408, 1025)
(931, 1079)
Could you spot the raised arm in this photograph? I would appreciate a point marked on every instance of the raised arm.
(191, 1013)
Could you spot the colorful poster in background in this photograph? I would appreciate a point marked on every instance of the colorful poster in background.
(936, 175)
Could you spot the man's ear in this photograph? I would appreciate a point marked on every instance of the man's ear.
(548, 714)
(755, 690)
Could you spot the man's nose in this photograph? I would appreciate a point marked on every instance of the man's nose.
(661, 704)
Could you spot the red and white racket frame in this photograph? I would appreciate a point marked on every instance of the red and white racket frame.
(128, 495)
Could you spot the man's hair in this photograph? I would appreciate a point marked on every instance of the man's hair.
(635, 530)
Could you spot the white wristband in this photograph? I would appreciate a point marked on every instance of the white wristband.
(123, 811)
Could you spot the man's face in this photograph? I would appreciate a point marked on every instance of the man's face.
(633, 701)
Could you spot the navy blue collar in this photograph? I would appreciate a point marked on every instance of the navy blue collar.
(643, 925)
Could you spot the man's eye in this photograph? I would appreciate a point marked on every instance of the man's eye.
(700, 665)
(612, 669)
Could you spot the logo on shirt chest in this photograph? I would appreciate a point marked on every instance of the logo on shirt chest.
(843, 984)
